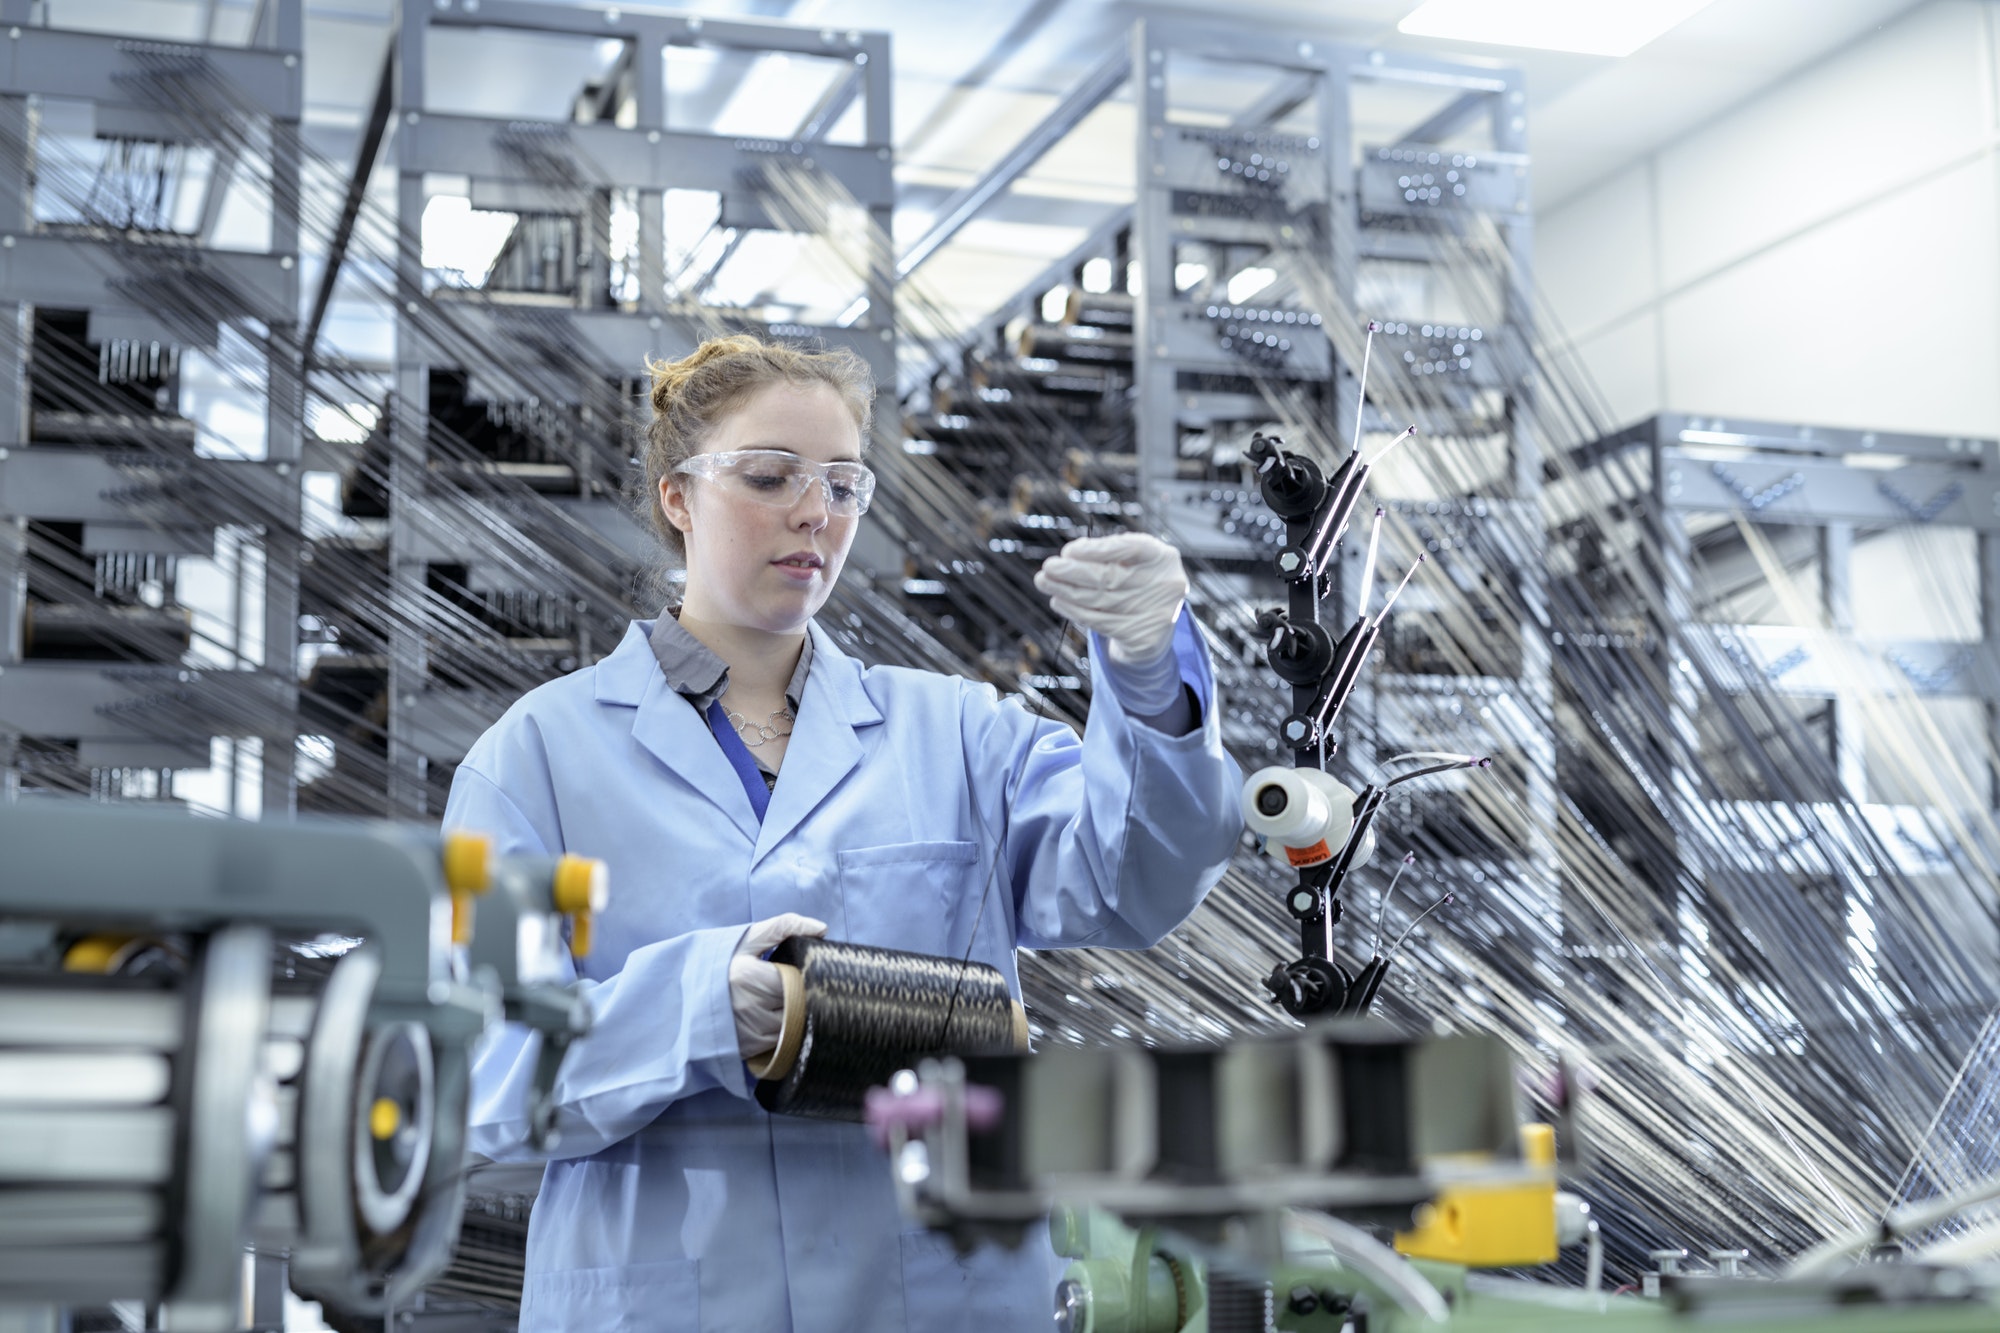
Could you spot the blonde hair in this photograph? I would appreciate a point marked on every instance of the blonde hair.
(693, 395)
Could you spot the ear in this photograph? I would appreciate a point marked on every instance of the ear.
(674, 502)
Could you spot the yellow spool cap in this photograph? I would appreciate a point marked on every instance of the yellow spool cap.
(1538, 1144)
(96, 953)
(468, 861)
(384, 1118)
(580, 884)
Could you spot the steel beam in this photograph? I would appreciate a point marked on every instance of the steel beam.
(109, 702)
(1671, 428)
(1820, 664)
(117, 71)
(1807, 489)
(97, 486)
(605, 155)
(154, 282)
(961, 208)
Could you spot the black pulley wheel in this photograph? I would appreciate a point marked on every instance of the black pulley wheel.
(1309, 986)
(1304, 654)
(1293, 487)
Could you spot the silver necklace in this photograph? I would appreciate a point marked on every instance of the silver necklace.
(754, 735)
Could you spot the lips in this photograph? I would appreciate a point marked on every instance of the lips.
(802, 559)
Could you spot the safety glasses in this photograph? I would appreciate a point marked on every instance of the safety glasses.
(778, 479)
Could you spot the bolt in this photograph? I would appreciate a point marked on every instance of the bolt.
(1290, 562)
(1072, 1307)
(1302, 1300)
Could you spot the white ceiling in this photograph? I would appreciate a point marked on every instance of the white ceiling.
(972, 78)
(1588, 115)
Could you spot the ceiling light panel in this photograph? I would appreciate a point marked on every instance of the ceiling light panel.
(1588, 27)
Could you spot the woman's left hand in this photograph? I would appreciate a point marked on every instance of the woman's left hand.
(1128, 588)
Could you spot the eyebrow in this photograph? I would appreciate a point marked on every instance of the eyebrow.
(781, 449)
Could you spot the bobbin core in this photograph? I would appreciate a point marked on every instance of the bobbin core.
(778, 1062)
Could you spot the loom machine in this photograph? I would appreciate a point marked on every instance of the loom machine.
(219, 1035)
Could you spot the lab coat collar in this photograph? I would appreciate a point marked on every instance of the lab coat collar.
(668, 728)
(824, 748)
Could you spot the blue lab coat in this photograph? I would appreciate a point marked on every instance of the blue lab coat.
(674, 1200)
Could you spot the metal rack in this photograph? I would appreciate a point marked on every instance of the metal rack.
(560, 342)
(1835, 484)
(106, 700)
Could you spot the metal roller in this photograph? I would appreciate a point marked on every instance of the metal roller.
(130, 1151)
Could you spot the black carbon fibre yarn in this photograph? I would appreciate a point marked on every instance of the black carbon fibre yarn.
(867, 1012)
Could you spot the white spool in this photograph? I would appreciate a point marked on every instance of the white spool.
(1312, 816)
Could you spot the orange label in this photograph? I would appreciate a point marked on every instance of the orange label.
(1309, 856)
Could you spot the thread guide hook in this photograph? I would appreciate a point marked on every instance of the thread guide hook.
(1324, 673)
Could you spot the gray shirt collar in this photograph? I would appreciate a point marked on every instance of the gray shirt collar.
(694, 671)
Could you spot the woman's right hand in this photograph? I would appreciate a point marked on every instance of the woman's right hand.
(756, 993)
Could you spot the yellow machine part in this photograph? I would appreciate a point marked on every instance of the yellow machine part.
(468, 872)
(1492, 1226)
(99, 953)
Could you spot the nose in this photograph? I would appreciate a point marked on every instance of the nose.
(811, 513)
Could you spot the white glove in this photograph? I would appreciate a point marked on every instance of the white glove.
(1128, 588)
(756, 993)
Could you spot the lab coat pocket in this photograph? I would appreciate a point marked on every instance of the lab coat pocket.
(634, 1298)
(906, 894)
(990, 1289)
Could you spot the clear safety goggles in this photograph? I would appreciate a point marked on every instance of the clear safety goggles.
(779, 479)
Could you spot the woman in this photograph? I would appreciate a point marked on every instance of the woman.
(917, 809)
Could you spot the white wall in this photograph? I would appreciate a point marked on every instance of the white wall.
(1827, 253)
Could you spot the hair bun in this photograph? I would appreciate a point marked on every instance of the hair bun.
(670, 377)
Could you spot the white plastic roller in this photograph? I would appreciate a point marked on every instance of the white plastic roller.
(1303, 815)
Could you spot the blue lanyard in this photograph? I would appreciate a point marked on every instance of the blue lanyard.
(739, 758)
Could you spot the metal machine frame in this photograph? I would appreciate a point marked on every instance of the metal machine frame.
(163, 1114)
